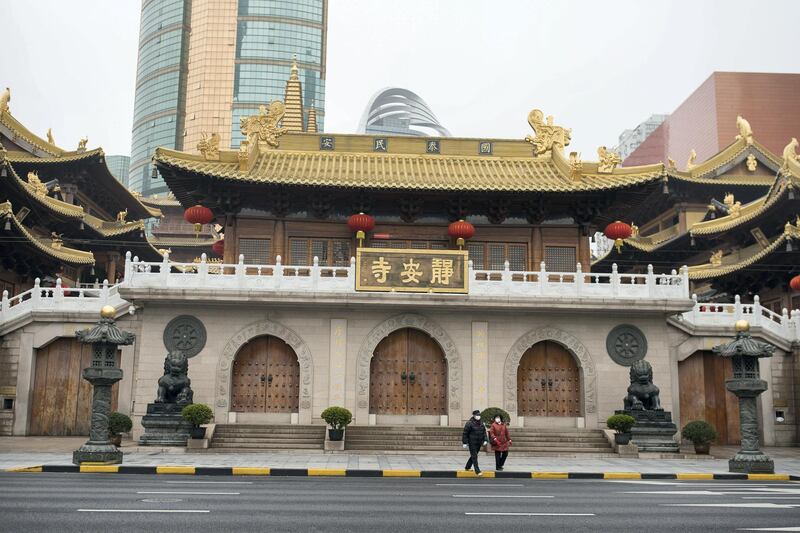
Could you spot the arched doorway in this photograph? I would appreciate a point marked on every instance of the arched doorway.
(548, 382)
(408, 378)
(703, 396)
(265, 377)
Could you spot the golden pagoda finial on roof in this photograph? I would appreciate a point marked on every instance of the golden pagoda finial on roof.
(50, 136)
(293, 97)
(295, 72)
(745, 131)
(5, 98)
(312, 120)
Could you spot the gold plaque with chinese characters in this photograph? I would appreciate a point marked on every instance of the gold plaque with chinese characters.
(410, 270)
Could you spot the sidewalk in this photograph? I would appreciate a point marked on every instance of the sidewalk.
(19, 452)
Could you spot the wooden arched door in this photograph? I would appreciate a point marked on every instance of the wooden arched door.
(548, 382)
(265, 377)
(408, 375)
(703, 396)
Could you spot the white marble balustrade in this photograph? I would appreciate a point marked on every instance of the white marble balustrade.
(59, 299)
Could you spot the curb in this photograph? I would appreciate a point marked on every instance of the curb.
(342, 472)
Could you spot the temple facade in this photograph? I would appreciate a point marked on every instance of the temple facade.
(413, 280)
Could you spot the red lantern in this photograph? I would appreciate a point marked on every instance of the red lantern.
(461, 230)
(360, 224)
(198, 215)
(618, 232)
(219, 247)
(795, 283)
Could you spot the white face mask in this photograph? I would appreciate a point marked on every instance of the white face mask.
(477, 417)
(498, 419)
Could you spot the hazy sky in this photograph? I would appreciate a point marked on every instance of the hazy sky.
(597, 67)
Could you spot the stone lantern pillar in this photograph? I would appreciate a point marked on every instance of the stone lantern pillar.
(747, 385)
(105, 337)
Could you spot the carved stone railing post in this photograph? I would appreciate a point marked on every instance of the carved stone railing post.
(315, 274)
(542, 278)
(578, 280)
(614, 280)
(239, 269)
(650, 280)
(105, 338)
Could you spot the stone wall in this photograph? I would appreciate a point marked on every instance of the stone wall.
(785, 376)
(337, 340)
(9, 362)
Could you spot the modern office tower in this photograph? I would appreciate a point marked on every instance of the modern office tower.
(396, 111)
(118, 166)
(629, 140)
(204, 64)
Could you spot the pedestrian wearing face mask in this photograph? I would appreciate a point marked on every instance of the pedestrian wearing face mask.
(473, 438)
(501, 441)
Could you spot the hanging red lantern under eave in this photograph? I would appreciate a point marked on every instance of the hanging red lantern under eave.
(461, 230)
(219, 247)
(618, 231)
(198, 215)
(795, 283)
(360, 223)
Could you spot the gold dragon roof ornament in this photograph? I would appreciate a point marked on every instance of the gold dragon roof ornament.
(690, 163)
(608, 160)
(546, 134)
(745, 131)
(263, 127)
(5, 98)
(209, 146)
(36, 184)
(790, 153)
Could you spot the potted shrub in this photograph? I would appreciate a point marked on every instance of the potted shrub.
(337, 418)
(488, 415)
(701, 433)
(622, 424)
(117, 425)
(197, 414)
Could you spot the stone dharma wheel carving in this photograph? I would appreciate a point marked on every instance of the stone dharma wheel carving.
(186, 334)
(626, 344)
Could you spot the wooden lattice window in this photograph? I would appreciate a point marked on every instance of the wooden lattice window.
(560, 258)
(331, 252)
(255, 251)
(493, 255)
(415, 245)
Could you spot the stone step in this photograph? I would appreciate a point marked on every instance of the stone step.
(268, 432)
(266, 446)
(555, 451)
(423, 446)
(514, 437)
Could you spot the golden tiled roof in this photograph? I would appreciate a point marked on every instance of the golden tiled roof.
(166, 242)
(407, 170)
(60, 252)
(727, 155)
(112, 229)
(651, 242)
(159, 201)
(709, 271)
(62, 208)
(21, 132)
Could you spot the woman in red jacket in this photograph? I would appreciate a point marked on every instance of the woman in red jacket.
(501, 440)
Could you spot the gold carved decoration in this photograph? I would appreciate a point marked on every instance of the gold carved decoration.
(546, 135)
(55, 240)
(634, 230)
(121, 216)
(209, 146)
(575, 165)
(752, 162)
(745, 131)
(608, 160)
(244, 154)
(263, 127)
(716, 258)
(790, 152)
(38, 187)
(672, 164)
(692, 158)
(82, 144)
(5, 98)
(163, 251)
(734, 206)
(50, 136)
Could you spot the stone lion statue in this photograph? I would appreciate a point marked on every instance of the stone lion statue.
(642, 394)
(174, 385)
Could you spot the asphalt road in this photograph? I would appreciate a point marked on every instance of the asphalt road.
(119, 503)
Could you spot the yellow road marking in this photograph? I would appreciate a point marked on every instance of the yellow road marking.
(25, 469)
(768, 477)
(694, 475)
(174, 470)
(470, 473)
(549, 475)
(250, 471)
(401, 473)
(622, 475)
(326, 472)
(99, 468)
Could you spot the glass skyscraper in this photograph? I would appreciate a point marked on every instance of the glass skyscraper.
(118, 165)
(204, 64)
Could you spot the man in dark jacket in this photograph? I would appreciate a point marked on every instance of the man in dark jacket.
(474, 437)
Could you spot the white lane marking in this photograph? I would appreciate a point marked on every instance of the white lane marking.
(143, 510)
(742, 505)
(162, 500)
(187, 492)
(482, 485)
(214, 482)
(776, 497)
(499, 496)
(530, 514)
(691, 483)
(795, 528)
